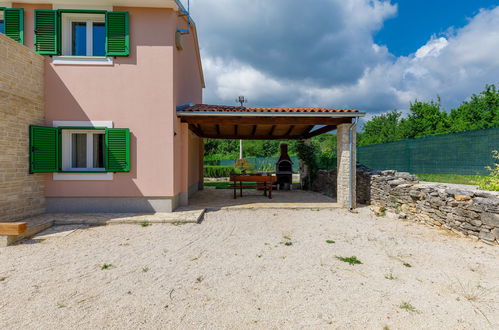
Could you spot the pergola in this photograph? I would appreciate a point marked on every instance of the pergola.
(280, 123)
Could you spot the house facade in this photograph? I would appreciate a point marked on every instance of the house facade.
(114, 74)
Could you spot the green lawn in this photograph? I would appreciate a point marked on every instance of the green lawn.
(444, 178)
(217, 184)
(451, 178)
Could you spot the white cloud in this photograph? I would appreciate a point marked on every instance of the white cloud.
(297, 53)
(432, 48)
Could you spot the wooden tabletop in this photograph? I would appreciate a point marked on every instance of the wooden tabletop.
(253, 178)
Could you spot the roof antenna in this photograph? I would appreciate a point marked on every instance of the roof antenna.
(242, 100)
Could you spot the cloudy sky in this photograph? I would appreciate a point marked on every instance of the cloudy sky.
(372, 55)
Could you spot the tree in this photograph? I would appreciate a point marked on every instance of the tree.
(425, 118)
(381, 129)
(481, 112)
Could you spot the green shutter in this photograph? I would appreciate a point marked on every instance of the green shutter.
(14, 24)
(44, 149)
(117, 150)
(117, 34)
(47, 32)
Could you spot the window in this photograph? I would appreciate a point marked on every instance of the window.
(12, 23)
(2, 22)
(83, 34)
(83, 150)
(71, 32)
(79, 149)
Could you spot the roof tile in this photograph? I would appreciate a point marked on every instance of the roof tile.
(227, 108)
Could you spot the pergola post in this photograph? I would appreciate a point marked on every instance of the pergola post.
(347, 165)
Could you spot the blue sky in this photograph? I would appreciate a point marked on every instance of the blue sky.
(418, 20)
(371, 55)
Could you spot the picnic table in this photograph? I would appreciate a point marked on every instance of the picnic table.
(253, 181)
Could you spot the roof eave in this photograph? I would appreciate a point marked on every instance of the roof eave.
(271, 114)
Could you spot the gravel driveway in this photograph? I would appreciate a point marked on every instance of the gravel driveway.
(252, 269)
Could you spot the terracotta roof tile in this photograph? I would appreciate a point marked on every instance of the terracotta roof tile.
(226, 108)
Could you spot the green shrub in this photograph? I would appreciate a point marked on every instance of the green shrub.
(491, 182)
(218, 171)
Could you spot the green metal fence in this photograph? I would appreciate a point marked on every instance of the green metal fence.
(459, 153)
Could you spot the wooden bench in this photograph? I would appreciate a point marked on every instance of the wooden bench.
(13, 228)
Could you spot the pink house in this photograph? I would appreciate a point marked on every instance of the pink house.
(115, 72)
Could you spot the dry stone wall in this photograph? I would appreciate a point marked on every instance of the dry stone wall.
(21, 105)
(462, 209)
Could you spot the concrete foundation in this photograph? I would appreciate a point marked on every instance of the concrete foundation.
(111, 205)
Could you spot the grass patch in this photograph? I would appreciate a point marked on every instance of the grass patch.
(105, 266)
(452, 178)
(408, 307)
(329, 241)
(217, 184)
(351, 260)
(222, 185)
(145, 224)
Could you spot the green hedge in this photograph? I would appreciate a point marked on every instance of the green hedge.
(217, 171)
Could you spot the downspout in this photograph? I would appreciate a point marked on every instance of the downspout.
(352, 164)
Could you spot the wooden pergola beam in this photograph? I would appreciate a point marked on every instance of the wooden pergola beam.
(272, 130)
(197, 130)
(253, 132)
(291, 128)
(252, 137)
(320, 131)
(240, 120)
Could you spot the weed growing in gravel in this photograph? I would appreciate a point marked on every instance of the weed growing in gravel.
(330, 241)
(2, 279)
(390, 276)
(407, 264)
(145, 269)
(145, 224)
(351, 260)
(408, 307)
(60, 305)
(200, 279)
(381, 212)
(105, 266)
(179, 223)
(287, 240)
(471, 292)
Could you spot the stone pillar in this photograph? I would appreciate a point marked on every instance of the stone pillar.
(344, 161)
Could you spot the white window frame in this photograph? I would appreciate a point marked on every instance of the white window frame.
(67, 150)
(97, 176)
(67, 31)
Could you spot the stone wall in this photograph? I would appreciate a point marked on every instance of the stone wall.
(21, 105)
(459, 208)
(326, 183)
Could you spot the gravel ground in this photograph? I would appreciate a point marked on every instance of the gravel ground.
(252, 269)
